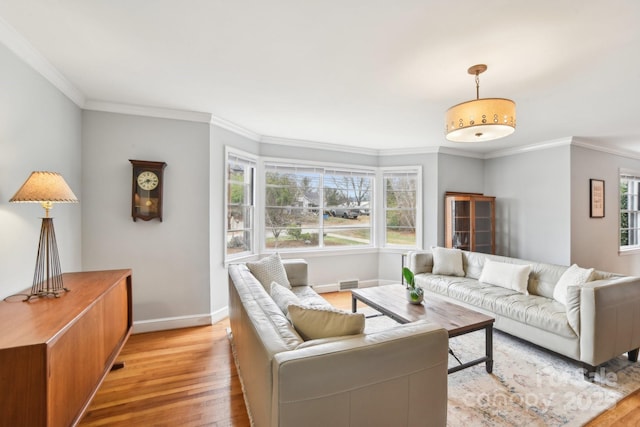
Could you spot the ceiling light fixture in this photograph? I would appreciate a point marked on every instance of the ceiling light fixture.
(480, 119)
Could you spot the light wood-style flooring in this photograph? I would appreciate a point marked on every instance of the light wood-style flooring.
(187, 377)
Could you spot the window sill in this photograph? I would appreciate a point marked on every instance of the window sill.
(629, 251)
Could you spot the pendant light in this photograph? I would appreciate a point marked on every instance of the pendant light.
(480, 119)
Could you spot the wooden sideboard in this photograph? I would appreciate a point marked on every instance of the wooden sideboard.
(55, 352)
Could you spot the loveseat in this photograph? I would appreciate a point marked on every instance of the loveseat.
(396, 376)
(588, 315)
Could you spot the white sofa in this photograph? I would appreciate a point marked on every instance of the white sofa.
(600, 321)
(393, 377)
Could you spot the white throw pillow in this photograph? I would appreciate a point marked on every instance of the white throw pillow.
(510, 276)
(269, 269)
(447, 262)
(283, 297)
(324, 322)
(573, 276)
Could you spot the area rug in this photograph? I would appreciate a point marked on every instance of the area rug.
(529, 386)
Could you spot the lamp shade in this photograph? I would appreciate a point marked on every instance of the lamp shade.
(44, 187)
(481, 120)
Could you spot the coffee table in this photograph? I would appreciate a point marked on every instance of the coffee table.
(391, 300)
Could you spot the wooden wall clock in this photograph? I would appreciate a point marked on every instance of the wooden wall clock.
(146, 193)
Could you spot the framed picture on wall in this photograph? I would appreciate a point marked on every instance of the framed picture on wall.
(596, 198)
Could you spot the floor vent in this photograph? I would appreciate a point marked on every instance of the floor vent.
(349, 284)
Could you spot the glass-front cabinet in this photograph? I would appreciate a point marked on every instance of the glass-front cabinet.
(470, 222)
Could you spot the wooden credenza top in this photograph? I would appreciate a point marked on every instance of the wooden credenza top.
(39, 320)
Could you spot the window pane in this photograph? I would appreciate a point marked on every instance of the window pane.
(292, 237)
(400, 203)
(629, 211)
(347, 236)
(239, 220)
(238, 242)
(316, 207)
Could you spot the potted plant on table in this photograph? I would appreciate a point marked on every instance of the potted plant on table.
(415, 294)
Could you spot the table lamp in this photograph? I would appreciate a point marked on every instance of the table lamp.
(46, 188)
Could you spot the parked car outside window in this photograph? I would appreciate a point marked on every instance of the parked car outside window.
(344, 212)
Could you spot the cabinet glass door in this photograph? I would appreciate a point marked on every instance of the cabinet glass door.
(483, 231)
(461, 221)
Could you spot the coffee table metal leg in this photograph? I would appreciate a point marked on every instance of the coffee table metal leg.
(354, 304)
(489, 347)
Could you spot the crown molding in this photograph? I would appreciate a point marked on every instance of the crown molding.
(578, 142)
(27, 53)
(138, 110)
(428, 149)
(460, 153)
(237, 129)
(528, 148)
(319, 145)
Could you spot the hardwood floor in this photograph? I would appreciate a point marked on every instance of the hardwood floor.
(187, 377)
(182, 377)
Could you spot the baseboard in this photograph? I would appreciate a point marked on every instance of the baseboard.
(335, 287)
(167, 323)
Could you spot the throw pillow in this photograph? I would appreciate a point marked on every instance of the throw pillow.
(324, 322)
(283, 297)
(573, 276)
(510, 276)
(447, 262)
(269, 269)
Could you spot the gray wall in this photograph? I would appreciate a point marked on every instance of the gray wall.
(458, 174)
(170, 259)
(533, 204)
(39, 130)
(595, 241)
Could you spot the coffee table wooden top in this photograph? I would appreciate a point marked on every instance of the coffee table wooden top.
(391, 300)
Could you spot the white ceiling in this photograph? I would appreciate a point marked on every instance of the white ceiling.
(376, 74)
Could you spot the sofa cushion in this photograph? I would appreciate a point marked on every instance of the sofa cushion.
(573, 276)
(283, 297)
(509, 276)
(309, 297)
(269, 269)
(323, 322)
(447, 262)
(541, 312)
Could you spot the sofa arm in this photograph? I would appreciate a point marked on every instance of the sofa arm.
(609, 318)
(420, 261)
(297, 271)
(392, 377)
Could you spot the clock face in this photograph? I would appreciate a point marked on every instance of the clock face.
(148, 180)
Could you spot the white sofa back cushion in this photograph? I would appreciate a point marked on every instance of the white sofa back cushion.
(269, 269)
(573, 276)
(510, 276)
(447, 262)
(283, 297)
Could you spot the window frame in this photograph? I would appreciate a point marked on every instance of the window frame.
(252, 161)
(326, 168)
(635, 176)
(414, 169)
